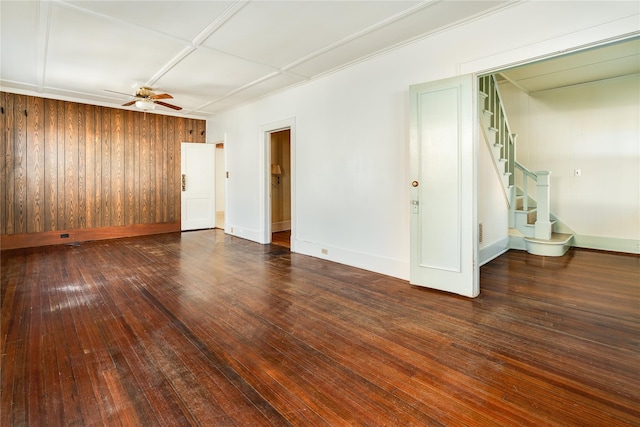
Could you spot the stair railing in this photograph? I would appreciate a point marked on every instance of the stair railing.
(505, 139)
(543, 225)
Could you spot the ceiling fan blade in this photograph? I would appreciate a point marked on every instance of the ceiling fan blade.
(129, 103)
(164, 104)
(114, 91)
(162, 96)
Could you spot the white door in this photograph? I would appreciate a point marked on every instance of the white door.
(198, 186)
(443, 188)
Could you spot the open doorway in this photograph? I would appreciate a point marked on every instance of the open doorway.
(280, 187)
(220, 184)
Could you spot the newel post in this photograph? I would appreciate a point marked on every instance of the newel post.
(543, 223)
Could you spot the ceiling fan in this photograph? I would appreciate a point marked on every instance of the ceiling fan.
(146, 99)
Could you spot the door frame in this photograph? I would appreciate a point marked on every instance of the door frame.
(223, 175)
(265, 177)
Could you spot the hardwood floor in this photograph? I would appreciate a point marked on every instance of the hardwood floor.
(281, 238)
(206, 329)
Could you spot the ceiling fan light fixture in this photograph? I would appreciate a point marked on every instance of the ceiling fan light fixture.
(144, 104)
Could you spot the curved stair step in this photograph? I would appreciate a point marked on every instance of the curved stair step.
(558, 245)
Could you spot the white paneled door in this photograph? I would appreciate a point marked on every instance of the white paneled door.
(443, 188)
(198, 208)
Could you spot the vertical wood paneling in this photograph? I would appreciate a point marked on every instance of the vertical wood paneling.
(144, 169)
(7, 182)
(106, 168)
(174, 177)
(133, 167)
(82, 167)
(72, 166)
(166, 135)
(97, 176)
(35, 165)
(3, 159)
(117, 167)
(201, 131)
(61, 196)
(90, 164)
(152, 149)
(20, 165)
(51, 165)
(130, 158)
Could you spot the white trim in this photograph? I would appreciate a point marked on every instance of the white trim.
(265, 132)
(613, 244)
(493, 251)
(382, 265)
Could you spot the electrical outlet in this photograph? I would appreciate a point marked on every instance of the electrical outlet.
(324, 251)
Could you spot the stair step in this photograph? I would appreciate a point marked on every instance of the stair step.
(558, 245)
(487, 112)
(492, 129)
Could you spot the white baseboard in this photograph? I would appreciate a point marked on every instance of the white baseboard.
(631, 246)
(387, 266)
(493, 251)
(245, 233)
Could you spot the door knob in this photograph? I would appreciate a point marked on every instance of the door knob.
(415, 183)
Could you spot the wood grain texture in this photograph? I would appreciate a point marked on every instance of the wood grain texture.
(91, 141)
(82, 167)
(4, 138)
(201, 328)
(51, 165)
(61, 128)
(20, 166)
(70, 155)
(35, 165)
(69, 166)
(47, 238)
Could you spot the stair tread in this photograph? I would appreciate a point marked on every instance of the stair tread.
(556, 239)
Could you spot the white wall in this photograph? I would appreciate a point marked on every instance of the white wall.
(351, 150)
(593, 127)
(493, 208)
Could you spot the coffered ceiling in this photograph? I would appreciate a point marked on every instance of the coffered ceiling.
(210, 55)
(214, 55)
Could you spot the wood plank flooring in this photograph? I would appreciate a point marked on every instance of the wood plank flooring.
(201, 328)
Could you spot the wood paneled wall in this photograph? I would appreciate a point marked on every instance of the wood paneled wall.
(69, 166)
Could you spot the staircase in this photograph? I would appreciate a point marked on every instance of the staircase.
(530, 225)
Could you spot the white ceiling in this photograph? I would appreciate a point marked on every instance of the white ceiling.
(210, 55)
(214, 55)
(600, 63)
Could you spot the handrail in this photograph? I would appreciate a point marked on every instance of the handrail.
(526, 171)
(505, 138)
